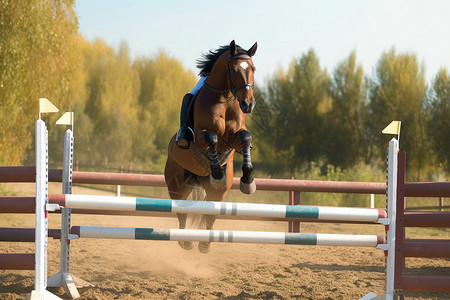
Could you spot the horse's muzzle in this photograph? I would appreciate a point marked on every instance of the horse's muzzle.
(247, 107)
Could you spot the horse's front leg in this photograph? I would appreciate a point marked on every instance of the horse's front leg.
(247, 184)
(217, 178)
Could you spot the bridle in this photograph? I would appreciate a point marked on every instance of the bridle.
(232, 89)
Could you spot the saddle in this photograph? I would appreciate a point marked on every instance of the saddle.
(190, 113)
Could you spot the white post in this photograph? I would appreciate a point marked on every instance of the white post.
(391, 206)
(64, 278)
(41, 200)
(66, 189)
(41, 224)
(372, 201)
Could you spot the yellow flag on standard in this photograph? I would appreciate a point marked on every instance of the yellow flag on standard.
(393, 128)
(66, 119)
(45, 106)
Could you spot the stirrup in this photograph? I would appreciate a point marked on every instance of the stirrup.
(178, 135)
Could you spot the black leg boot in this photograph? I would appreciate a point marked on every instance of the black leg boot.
(184, 134)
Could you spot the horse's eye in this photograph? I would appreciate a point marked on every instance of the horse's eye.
(234, 71)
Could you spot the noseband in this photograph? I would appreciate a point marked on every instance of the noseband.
(232, 89)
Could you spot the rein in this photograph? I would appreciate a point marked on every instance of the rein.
(231, 89)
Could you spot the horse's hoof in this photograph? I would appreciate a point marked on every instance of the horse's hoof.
(186, 245)
(203, 247)
(218, 184)
(247, 188)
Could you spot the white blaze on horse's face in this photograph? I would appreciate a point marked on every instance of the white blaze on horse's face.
(244, 65)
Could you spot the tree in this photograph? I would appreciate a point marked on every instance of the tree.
(164, 81)
(37, 41)
(297, 103)
(343, 121)
(439, 121)
(397, 92)
(112, 102)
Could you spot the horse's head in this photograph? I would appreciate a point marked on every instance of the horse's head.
(240, 78)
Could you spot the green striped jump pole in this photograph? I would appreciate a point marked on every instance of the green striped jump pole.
(366, 215)
(226, 236)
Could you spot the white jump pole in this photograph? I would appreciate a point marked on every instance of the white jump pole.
(229, 236)
(220, 208)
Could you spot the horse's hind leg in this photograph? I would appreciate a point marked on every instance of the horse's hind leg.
(217, 196)
(178, 189)
(209, 220)
(186, 245)
(182, 218)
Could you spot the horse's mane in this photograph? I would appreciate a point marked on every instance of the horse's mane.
(207, 61)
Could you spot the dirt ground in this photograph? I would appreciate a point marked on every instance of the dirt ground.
(128, 269)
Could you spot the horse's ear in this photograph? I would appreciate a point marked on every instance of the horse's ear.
(233, 48)
(252, 50)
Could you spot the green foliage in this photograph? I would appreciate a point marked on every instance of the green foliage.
(307, 123)
(344, 119)
(292, 115)
(319, 171)
(37, 39)
(397, 92)
(360, 172)
(131, 108)
(303, 116)
(439, 118)
(112, 102)
(164, 82)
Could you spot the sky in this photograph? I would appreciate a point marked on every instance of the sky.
(284, 29)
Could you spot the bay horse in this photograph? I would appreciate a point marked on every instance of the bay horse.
(218, 123)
